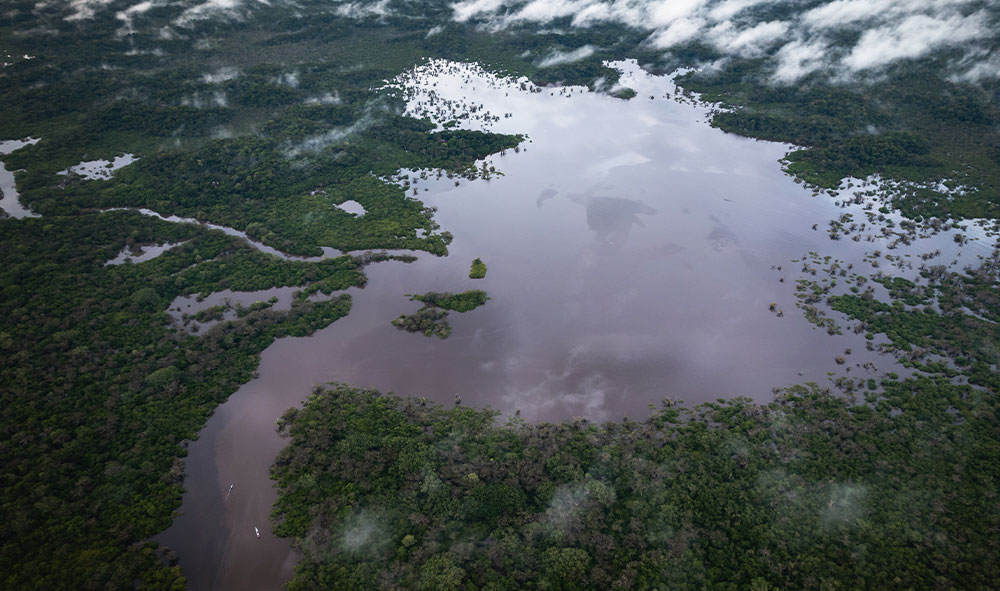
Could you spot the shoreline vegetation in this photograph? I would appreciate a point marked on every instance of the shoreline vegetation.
(811, 491)
(885, 485)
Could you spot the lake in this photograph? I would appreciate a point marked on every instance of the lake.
(634, 253)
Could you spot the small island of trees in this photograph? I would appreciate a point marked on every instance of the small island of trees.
(478, 270)
(432, 319)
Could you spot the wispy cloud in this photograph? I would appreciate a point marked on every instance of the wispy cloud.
(220, 75)
(799, 58)
(320, 142)
(977, 67)
(361, 10)
(556, 58)
(85, 9)
(207, 10)
(800, 42)
(913, 37)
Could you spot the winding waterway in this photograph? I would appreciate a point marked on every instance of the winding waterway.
(633, 254)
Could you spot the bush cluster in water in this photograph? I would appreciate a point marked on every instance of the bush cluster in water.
(478, 270)
(432, 318)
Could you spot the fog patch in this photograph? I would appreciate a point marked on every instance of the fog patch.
(977, 68)
(362, 532)
(556, 57)
(209, 9)
(289, 79)
(326, 99)
(570, 501)
(127, 15)
(320, 142)
(360, 10)
(85, 9)
(156, 51)
(221, 75)
(566, 504)
(198, 101)
(845, 504)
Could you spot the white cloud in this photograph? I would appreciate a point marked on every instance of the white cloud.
(666, 13)
(845, 12)
(796, 59)
(592, 13)
(220, 75)
(987, 68)
(468, 9)
(359, 10)
(135, 9)
(914, 37)
(748, 42)
(547, 10)
(555, 58)
(289, 79)
(85, 9)
(208, 9)
(798, 44)
(730, 8)
(679, 32)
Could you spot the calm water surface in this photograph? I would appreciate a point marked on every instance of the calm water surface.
(9, 198)
(632, 254)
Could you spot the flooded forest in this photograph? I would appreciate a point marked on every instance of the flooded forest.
(657, 294)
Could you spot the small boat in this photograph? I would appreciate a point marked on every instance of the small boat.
(230, 490)
(256, 531)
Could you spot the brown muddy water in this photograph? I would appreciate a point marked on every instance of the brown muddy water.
(633, 254)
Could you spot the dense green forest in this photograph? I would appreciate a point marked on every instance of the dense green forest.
(99, 389)
(812, 491)
(266, 119)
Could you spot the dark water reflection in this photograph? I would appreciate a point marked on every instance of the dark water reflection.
(612, 218)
